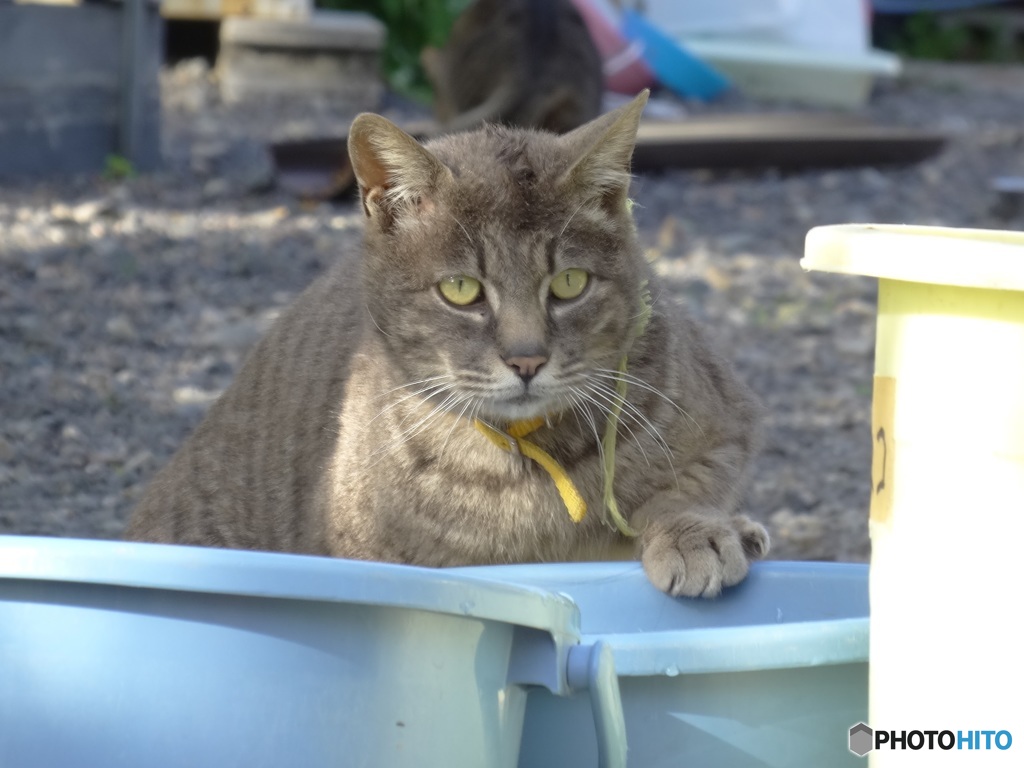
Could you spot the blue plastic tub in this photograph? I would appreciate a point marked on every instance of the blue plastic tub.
(674, 66)
(115, 654)
(772, 673)
(126, 655)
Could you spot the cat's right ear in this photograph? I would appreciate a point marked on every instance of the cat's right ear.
(397, 176)
(601, 153)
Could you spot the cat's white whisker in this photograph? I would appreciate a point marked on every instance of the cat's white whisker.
(469, 403)
(629, 378)
(645, 423)
(625, 425)
(633, 381)
(579, 407)
(425, 393)
(627, 408)
(405, 435)
(472, 377)
(374, 321)
(571, 217)
(416, 383)
(391, 446)
(464, 230)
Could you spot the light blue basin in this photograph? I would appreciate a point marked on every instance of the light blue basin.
(772, 673)
(126, 655)
(123, 655)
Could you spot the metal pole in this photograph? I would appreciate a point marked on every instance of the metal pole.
(132, 69)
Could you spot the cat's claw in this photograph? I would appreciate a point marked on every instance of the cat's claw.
(696, 556)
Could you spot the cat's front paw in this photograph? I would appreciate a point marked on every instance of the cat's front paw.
(695, 555)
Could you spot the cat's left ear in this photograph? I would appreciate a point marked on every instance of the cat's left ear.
(397, 176)
(601, 153)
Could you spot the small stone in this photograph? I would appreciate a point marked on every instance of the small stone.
(62, 213)
(238, 335)
(71, 433)
(801, 530)
(190, 396)
(215, 188)
(89, 211)
(120, 327)
(137, 461)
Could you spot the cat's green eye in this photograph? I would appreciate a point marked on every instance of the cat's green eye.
(460, 290)
(569, 283)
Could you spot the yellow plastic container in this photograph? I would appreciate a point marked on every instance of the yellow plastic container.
(947, 481)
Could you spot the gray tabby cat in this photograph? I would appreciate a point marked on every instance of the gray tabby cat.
(501, 283)
(527, 63)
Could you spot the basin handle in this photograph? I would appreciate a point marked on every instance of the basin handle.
(592, 667)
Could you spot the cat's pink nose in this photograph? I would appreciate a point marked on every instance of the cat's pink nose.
(526, 365)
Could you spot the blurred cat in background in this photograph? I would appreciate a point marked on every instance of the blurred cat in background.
(526, 63)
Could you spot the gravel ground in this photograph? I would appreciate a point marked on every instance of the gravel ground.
(126, 307)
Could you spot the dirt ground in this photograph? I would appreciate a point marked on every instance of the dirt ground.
(127, 306)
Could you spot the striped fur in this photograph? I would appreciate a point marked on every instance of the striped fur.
(349, 432)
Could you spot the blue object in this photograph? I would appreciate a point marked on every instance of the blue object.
(122, 654)
(675, 67)
(933, 6)
(772, 673)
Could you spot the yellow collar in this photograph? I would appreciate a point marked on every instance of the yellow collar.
(513, 441)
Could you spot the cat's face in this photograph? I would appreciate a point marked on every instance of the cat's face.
(507, 322)
(510, 288)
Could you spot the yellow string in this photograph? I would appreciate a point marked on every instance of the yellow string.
(608, 444)
(571, 497)
(517, 430)
(611, 426)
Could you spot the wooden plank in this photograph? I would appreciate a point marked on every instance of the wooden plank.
(47, 2)
(779, 141)
(319, 168)
(214, 10)
(202, 10)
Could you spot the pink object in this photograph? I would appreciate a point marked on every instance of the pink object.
(624, 67)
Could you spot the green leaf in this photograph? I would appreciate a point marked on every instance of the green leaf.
(411, 26)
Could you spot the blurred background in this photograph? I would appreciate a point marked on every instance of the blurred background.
(173, 173)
